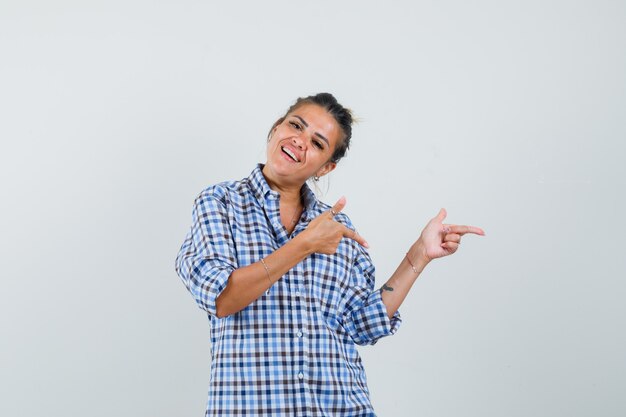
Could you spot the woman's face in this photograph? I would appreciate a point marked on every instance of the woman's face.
(301, 146)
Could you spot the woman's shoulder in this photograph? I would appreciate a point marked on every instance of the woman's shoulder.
(220, 191)
(217, 191)
(226, 191)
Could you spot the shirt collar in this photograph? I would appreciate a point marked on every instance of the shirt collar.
(263, 192)
(259, 185)
(310, 202)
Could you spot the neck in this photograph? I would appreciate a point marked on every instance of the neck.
(289, 193)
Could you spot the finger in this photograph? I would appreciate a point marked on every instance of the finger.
(352, 234)
(452, 237)
(461, 230)
(442, 215)
(452, 246)
(339, 205)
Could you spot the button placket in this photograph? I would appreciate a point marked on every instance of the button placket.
(303, 330)
(295, 323)
(272, 211)
(301, 343)
(304, 322)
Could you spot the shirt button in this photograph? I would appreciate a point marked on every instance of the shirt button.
(299, 334)
(300, 375)
(298, 294)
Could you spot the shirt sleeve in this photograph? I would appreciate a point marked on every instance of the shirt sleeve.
(366, 319)
(207, 257)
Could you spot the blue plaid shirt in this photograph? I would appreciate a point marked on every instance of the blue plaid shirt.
(292, 352)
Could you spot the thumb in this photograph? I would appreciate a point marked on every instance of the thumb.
(442, 214)
(339, 205)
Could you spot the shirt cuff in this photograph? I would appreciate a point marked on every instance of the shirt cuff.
(208, 284)
(370, 322)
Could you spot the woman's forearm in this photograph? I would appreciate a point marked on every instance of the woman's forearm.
(246, 284)
(395, 290)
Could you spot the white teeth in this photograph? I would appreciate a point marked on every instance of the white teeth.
(288, 152)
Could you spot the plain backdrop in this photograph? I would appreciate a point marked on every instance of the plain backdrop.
(115, 114)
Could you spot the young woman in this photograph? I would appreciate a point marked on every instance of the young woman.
(287, 282)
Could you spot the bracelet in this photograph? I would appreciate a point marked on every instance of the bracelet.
(267, 271)
(411, 263)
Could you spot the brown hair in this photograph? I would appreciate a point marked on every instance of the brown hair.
(342, 116)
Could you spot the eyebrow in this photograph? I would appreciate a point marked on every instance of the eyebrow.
(316, 133)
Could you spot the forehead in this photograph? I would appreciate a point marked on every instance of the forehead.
(319, 121)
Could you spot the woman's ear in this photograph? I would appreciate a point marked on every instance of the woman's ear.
(274, 126)
(328, 167)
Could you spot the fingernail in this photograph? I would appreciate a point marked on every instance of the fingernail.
(367, 245)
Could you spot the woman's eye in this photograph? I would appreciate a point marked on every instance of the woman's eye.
(296, 125)
(318, 144)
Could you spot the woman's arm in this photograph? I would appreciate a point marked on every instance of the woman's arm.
(436, 240)
(246, 284)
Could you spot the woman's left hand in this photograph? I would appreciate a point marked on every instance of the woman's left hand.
(439, 240)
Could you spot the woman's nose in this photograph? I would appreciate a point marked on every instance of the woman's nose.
(297, 141)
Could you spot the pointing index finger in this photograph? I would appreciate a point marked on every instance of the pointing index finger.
(462, 229)
(354, 235)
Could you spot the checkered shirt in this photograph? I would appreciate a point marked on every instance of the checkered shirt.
(292, 352)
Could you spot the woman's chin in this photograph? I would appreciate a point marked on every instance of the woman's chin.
(284, 173)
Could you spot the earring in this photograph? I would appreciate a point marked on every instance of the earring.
(316, 178)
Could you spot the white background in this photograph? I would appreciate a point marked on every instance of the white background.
(114, 115)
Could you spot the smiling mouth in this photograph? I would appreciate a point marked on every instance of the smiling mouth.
(289, 153)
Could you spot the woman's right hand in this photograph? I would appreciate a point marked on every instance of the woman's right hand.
(323, 233)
